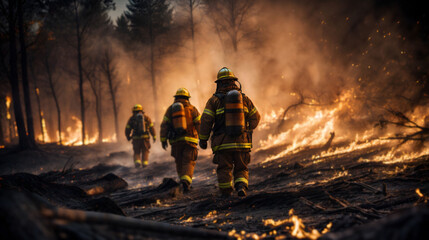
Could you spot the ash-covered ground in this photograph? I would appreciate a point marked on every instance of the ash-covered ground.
(303, 194)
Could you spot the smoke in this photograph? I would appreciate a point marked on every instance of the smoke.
(320, 50)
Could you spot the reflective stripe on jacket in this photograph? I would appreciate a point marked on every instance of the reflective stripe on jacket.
(214, 112)
(132, 126)
(193, 127)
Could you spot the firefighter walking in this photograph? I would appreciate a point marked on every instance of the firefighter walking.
(180, 126)
(232, 117)
(138, 128)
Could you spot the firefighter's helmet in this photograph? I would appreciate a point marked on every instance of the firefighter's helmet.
(137, 108)
(225, 74)
(182, 92)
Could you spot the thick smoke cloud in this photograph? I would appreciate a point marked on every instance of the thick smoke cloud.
(366, 54)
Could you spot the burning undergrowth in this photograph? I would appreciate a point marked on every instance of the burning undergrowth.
(336, 129)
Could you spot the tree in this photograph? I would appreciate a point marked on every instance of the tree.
(123, 29)
(190, 6)
(39, 105)
(10, 10)
(48, 65)
(24, 73)
(93, 77)
(149, 19)
(109, 70)
(229, 19)
(84, 18)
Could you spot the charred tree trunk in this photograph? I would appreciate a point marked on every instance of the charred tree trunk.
(109, 70)
(194, 49)
(11, 127)
(24, 142)
(100, 113)
(234, 35)
(79, 64)
(152, 67)
(54, 95)
(24, 69)
(2, 140)
(37, 92)
(95, 84)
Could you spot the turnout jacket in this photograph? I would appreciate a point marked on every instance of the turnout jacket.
(132, 126)
(213, 120)
(193, 120)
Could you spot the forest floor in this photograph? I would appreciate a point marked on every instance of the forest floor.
(300, 195)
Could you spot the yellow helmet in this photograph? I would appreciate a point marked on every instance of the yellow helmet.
(137, 108)
(182, 92)
(225, 74)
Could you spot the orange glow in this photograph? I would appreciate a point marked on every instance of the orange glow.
(314, 126)
(8, 101)
(44, 135)
(298, 228)
(72, 135)
(419, 193)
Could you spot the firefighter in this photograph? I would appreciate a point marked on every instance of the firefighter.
(180, 126)
(232, 117)
(138, 128)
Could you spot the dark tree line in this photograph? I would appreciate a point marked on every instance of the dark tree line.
(46, 42)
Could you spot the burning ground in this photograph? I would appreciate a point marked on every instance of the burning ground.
(301, 187)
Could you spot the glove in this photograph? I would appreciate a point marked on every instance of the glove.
(164, 145)
(203, 144)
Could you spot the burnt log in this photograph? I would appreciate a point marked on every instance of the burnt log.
(22, 218)
(409, 224)
(29, 217)
(106, 184)
(58, 194)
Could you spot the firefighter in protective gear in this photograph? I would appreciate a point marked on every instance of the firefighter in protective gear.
(224, 116)
(180, 126)
(138, 128)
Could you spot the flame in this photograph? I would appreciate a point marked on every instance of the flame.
(44, 135)
(72, 135)
(298, 228)
(314, 129)
(270, 118)
(419, 193)
(8, 101)
(1, 146)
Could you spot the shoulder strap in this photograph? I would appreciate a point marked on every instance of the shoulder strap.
(219, 126)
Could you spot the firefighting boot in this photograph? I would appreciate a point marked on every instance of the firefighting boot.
(185, 186)
(137, 163)
(241, 189)
(145, 163)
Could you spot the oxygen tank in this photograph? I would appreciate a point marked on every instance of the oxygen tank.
(179, 118)
(234, 113)
(141, 126)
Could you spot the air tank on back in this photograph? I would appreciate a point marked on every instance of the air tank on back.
(179, 117)
(234, 113)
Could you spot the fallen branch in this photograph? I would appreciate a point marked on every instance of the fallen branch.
(365, 186)
(126, 222)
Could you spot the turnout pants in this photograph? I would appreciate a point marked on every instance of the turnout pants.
(141, 151)
(232, 169)
(185, 156)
